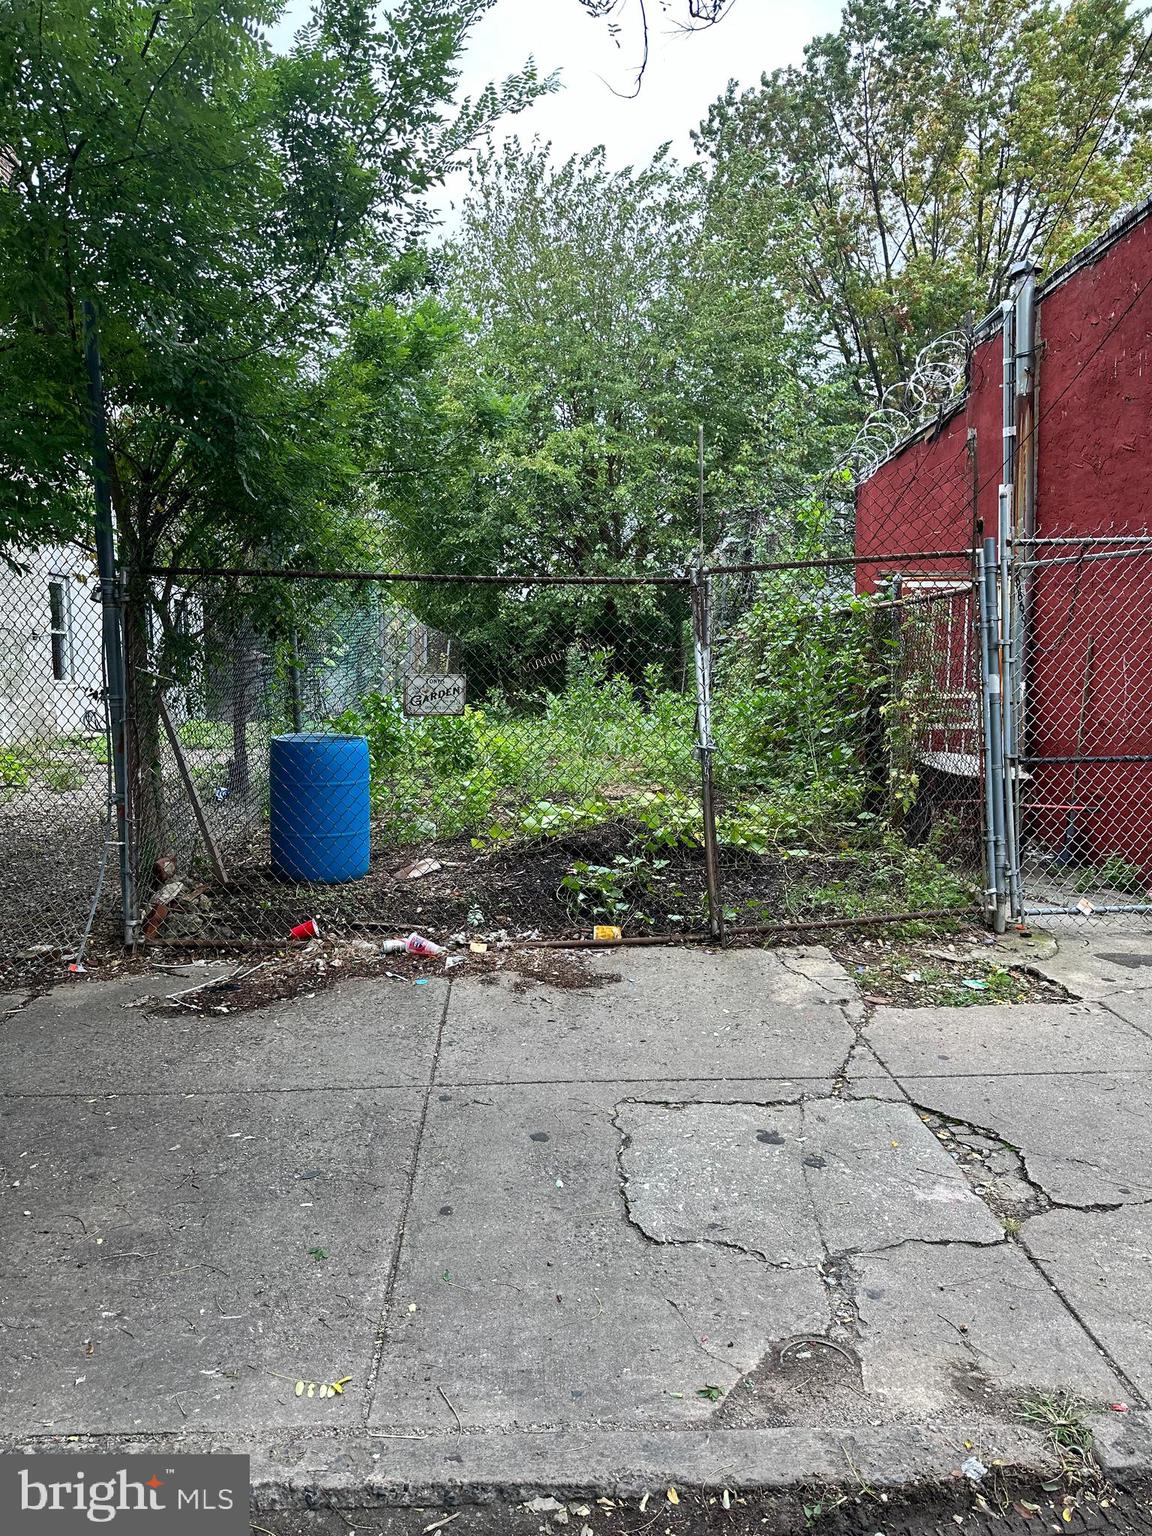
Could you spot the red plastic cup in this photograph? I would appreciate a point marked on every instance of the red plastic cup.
(308, 930)
(417, 944)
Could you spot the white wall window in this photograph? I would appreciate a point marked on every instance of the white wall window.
(60, 628)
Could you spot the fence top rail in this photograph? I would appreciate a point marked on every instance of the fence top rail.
(264, 573)
(1084, 556)
(1085, 538)
(837, 562)
(842, 562)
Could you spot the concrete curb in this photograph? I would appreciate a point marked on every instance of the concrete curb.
(306, 1469)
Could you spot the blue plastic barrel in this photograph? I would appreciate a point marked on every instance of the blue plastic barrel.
(319, 807)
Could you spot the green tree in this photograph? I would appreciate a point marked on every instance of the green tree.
(924, 149)
(227, 210)
(215, 200)
(614, 312)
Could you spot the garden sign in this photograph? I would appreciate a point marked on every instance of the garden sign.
(436, 694)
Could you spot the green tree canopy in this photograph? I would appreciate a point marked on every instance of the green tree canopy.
(222, 206)
(611, 312)
(925, 148)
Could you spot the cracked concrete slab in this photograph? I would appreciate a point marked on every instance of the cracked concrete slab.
(1134, 1008)
(83, 1039)
(789, 1183)
(1096, 962)
(865, 1078)
(1026, 1037)
(945, 1326)
(166, 1284)
(1102, 1262)
(683, 1013)
(877, 1176)
(526, 1297)
(1085, 1141)
(720, 1173)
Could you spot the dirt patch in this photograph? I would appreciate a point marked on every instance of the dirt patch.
(802, 1381)
(563, 968)
(314, 967)
(547, 887)
(854, 1508)
(955, 970)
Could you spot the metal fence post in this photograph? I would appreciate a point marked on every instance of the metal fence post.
(112, 626)
(705, 747)
(992, 722)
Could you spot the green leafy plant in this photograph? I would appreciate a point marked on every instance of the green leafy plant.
(63, 776)
(1116, 874)
(14, 769)
(612, 890)
(1061, 1418)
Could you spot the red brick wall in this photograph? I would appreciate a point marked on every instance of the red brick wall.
(1091, 631)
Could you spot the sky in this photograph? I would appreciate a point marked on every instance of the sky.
(685, 73)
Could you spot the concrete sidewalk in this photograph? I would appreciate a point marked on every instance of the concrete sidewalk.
(706, 1223)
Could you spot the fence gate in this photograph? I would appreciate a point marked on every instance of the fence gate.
(1084, 804)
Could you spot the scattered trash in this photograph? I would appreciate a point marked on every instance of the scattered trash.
(726, 1499)
(439, 1524)
(606, 933)
(418, 870)
(544, 1506)
(1118, 1407)
(453, 960)
(478, 947)
(973, 985)
(673, 1496)
(911, 976)
(1085, 906)
(323, 1388)
(161, 906)
(393, 946)
(319, 1254)
(421, 981)
(974, 1469)
(307, 930)
(417, 944)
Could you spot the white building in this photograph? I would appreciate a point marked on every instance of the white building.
(51, 678)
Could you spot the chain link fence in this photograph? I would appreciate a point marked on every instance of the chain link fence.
(742, 747)
(518, 758)
(1085, 771)
(538, 758)
(54, 760)
(848, 742)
